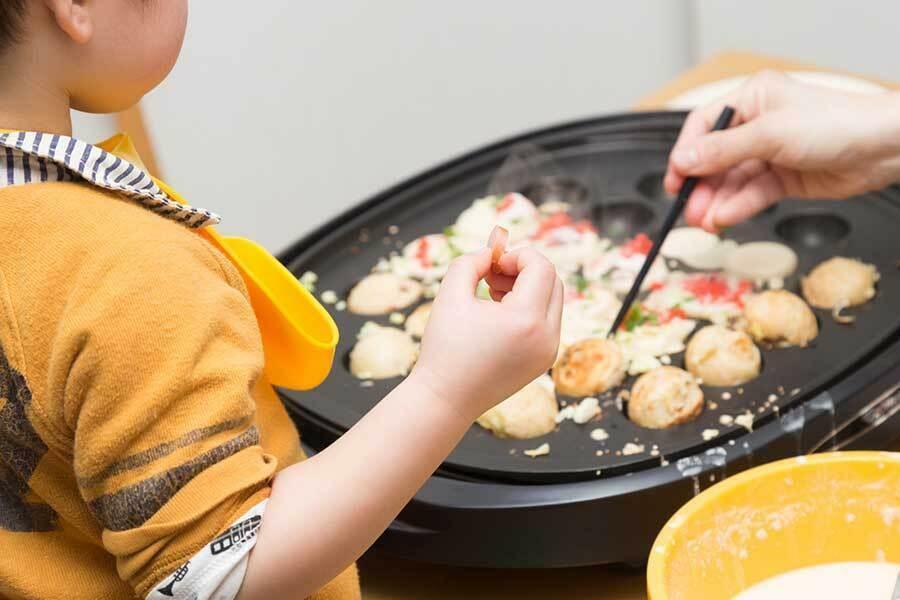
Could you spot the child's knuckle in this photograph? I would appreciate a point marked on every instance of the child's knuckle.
(527, 327)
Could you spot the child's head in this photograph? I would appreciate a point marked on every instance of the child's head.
(104, 54)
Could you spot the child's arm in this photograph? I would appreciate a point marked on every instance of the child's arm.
(323, 513)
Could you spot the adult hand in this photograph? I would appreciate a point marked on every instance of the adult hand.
(786, 139)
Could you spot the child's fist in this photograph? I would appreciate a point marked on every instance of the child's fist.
(476, 353)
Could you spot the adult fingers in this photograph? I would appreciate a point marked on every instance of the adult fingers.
(724, 186)
(761, 93)
(735, 178)
(757, 194)
(696, 125)
(698, 204)
(718, 151)
(702, 200)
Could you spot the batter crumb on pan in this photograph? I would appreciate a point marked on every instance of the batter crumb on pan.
(308, 280)
(599, 434)
(709, 434)
(586, 410)
(542, 450)
(632, 448)
(841, 318)
(745, 420)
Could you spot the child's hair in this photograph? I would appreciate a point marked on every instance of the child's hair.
(11, 14)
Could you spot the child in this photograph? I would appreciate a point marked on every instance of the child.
(143, 450)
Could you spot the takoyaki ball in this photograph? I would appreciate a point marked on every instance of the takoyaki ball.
(840, 282)
(530, 412)
(721, 356)
(382, 352)
(588, 367)
(665, 397)
(416, 322)
(382, 293)
(780, 316)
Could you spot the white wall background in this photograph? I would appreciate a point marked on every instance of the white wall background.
(863, 37)
(308, 107)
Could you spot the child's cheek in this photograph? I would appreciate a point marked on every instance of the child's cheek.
(163, 29)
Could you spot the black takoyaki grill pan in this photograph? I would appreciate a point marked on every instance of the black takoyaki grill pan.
(489, 504)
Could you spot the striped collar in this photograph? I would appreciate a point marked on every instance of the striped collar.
(32, 157)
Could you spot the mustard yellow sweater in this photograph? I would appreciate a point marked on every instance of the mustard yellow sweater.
(135, 423)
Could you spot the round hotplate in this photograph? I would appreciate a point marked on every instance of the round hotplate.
(613, 167)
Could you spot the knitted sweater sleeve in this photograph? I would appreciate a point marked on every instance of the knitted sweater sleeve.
(161, 351)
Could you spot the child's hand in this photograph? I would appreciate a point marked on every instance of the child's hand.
(476, 353)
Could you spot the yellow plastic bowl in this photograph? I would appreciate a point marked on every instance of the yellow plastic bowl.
(786, 515)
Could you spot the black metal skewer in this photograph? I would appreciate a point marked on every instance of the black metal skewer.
(677, 207)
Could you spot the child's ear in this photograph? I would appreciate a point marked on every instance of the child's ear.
(74, 18)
